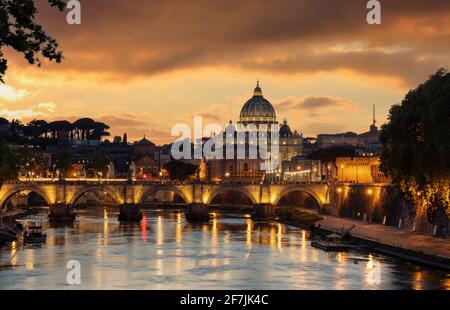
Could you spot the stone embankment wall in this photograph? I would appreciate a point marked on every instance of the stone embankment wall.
(381, 204)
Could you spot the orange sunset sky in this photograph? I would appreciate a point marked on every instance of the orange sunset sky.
(142, 66)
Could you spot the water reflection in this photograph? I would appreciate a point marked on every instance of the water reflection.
(164, 251)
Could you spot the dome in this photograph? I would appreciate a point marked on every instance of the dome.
(258, 109)
(230, 127)
(145, 141)
(285, 130)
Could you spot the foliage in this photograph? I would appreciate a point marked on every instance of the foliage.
(180, 170)
(30, 161)
(19, 31)
(62, 160)
(99, 164)
(40, 132)
(416, 145)
(8, 167)
(330, 154)
(295, 217)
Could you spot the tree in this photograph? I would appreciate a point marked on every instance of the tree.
(179, 170)
(8, 167)
(3, 121)
(416, 146)
(99, 131)
(30, 162)
(329, 154)
(19, 31)
(83, 127)
(125, 139)
(57, 126)
(38, 128)
(63, 160)
(100, 163)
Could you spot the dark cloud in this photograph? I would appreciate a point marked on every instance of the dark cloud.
(312, 103)
(142, 38)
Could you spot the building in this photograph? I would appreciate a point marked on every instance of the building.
(360, 170)
(291, 143)
(146, 168)
(303, 170)
(367, 143)
(257, 111)
(144, 147)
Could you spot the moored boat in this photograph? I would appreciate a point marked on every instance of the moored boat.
(34, 235)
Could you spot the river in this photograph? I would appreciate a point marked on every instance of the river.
(166, 252)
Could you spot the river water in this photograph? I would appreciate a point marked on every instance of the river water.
(166, 252)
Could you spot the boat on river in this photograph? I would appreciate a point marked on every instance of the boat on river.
(34, 235)
(335, 242)
(332, 243)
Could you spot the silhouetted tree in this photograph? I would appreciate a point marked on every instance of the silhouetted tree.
(416, 145)
(125, 139)
(8, 167)
(19, 31)
(180, 170)
(329, 154)
(29, 161)
(3, 121)
(99, 131)
(57, 126)
(100, 163)
(83, 127)
(38, 128)
(62, 160)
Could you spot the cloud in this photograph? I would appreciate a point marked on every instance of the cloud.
(126, 40)
(10, 93)
(137, 126)
(312, 103)
(38, 110)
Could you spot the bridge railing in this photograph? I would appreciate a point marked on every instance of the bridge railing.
(42, 181)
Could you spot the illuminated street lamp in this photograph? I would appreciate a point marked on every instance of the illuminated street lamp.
(369, 192)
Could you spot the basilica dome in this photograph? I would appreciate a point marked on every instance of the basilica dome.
(258, 109)
(285, 130)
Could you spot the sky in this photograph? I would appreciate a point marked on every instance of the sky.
(143, 66)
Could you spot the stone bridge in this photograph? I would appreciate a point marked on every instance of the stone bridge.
(123, 192)
(126, 193)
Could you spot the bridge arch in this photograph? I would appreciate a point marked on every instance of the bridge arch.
(114, 195)
(157, 189)
(226, 190)
(288, 191)
(16, 190)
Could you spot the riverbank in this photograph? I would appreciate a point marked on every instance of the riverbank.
(298, 218)
(414, 247)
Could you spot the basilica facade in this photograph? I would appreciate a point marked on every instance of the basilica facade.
(260, 113)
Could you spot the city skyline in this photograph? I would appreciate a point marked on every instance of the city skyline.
(322, 75)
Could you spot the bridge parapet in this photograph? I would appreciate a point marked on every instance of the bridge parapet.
(135, 192)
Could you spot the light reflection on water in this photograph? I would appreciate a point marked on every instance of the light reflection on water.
(166, 252)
